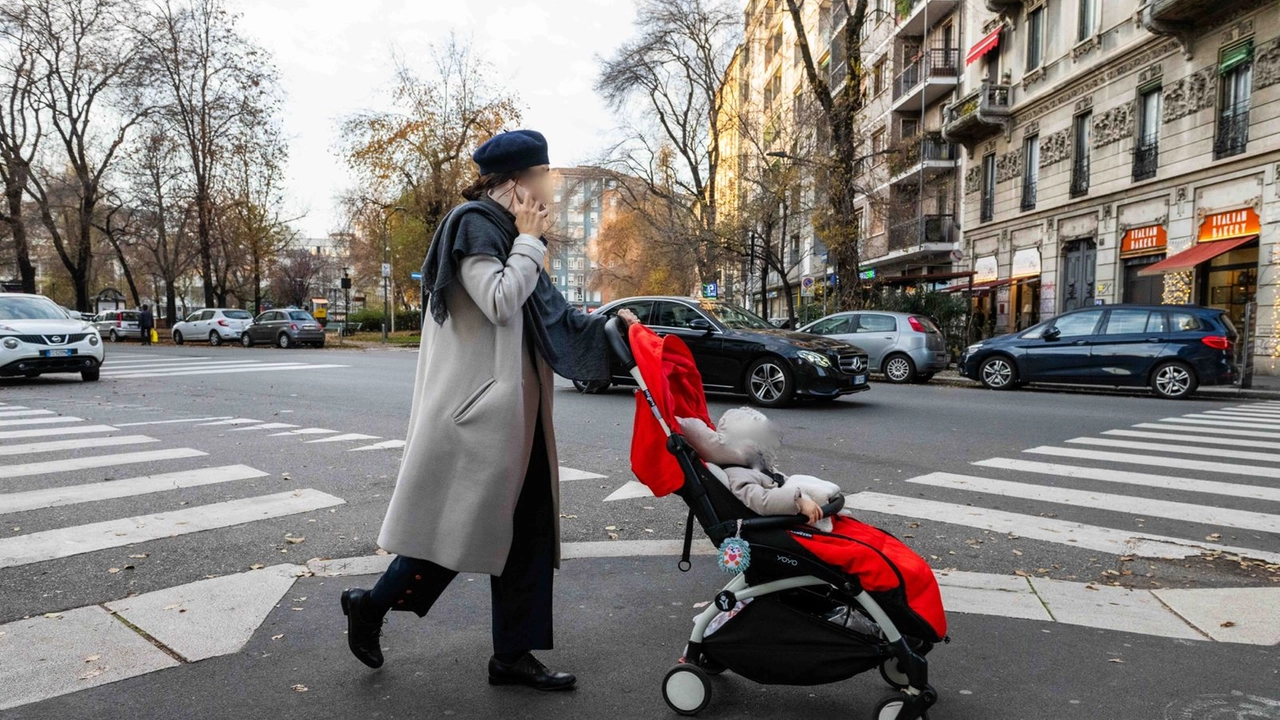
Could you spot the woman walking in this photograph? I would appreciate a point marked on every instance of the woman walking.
(478, 489)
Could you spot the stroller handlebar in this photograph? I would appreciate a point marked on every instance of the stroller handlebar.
(785, 521)
(615, 329)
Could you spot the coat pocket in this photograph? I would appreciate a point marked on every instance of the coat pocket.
(464, 410)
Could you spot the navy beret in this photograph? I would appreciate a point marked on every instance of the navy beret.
(511, 151)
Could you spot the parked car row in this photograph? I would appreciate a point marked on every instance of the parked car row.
(284, 328)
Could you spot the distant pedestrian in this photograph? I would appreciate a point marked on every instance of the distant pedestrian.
(146, 323)
(478, 489)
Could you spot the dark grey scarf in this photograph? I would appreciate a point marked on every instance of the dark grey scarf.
(572, 341)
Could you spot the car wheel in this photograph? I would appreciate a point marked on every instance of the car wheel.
(284, 340)
(246, 341)
(899, 369)
(214, 338)
(998, 373)
(90, 375)
(922, 378)
(114, 336)
(177, 338)
(769, 382)
(591, 388)
(1174, 381)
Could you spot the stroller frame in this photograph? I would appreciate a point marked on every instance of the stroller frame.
(687, 687)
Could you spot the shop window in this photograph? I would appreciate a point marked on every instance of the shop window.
(1235, 86)
(1030, 171)
(1080, 154)
(1035, 38)
(1146, 150)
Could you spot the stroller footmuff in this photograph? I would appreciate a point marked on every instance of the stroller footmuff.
(810, 607)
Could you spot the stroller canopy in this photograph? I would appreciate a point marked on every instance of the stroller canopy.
(675, 385)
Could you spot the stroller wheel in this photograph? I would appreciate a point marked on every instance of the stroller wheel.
(889, 708)
(687, 689)
(892, 675)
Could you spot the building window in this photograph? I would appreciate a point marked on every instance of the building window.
(1087, 19)
(556, 263)
(878, 77)
(1080, 154)
(988, 187)
(1236, 84)
(1035, 38)
(1030, 171)
(1146, 150)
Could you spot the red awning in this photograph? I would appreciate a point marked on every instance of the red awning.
(983, 46)
(1196, 254)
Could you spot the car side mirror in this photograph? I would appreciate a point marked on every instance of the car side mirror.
(701, 324)
(1052, 334)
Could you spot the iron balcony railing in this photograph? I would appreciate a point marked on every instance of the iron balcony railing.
(934, 62)
(1146, 159)
(989, 99)
(1029, 194)
(931, 147)
(922, 229)
(1079, 177)
(1233, 135)
(988, 208)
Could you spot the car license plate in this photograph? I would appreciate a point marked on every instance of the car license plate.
(58, 353)
(859, 379)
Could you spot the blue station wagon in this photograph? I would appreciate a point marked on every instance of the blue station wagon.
(1173, 349)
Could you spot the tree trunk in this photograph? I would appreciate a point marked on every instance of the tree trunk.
(170, 302)
(206, 245)
(18, 229)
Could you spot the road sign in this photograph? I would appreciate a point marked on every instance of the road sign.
(415, 275)
(710, 290)
(386, 270)
(806, 286)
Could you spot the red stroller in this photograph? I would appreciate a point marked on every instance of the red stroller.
(778, 622)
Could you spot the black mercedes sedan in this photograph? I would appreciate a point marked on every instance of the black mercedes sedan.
(739, 352)
(1172, 349)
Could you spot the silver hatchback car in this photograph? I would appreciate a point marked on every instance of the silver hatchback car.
(903, 346)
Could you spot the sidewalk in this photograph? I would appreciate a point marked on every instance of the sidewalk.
(1265, 387)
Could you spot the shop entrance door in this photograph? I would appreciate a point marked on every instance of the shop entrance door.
(1142, 289)
(1230, 281)
(1079, 265)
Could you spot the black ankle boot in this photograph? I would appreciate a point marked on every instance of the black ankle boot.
(363, 628)
(529, 672)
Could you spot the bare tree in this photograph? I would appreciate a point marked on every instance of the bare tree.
(295, 277)
(210, 81)
(91, 70)
(20, 129)
(668, 79)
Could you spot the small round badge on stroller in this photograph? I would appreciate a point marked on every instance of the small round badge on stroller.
(797, 614)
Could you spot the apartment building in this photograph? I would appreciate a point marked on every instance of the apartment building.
(1121, 151)
(584, 199)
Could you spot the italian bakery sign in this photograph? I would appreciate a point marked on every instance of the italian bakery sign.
(1143, 240)
(1234, 224)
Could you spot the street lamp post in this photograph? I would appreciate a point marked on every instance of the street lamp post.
(386, 266)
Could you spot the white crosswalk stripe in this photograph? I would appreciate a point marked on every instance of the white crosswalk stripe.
(1216, 456)
(64, 450)
(135, 367)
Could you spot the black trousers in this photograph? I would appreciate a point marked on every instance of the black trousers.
(521, 595)
(145, 335)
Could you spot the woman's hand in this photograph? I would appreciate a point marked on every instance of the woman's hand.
(628, 317)
(810, 509)
(531, 217)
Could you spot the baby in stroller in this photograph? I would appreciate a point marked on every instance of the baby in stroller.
(745, 445)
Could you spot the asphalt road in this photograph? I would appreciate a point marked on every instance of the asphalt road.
(300, 418)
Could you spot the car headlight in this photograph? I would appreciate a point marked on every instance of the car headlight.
(815, 358)
(93, 338)
(11, 343)
(972, 348)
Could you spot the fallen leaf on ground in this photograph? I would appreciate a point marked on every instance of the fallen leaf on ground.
(1115, 660)
(53, 615)
(113, 570)
(1227, 624)
(277, 637)
(380, 551)
(293, 540)
(92, 658)
(139, 556)
(299, 688)
(1017, 552)
(174, 606)
(1022, 573)
(92, 673)
(256, 566)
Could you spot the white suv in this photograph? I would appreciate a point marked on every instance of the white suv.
(212, 324)
(37, 337)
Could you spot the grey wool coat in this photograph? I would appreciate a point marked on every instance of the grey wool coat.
(479, 389)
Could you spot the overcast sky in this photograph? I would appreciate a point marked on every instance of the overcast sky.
(334, 58)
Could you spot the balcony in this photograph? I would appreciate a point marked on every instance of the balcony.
(1233, 135)
(1029, 193)
(982, 114)
(1188, 11)
(1146, 160)
(927, 79)
(918, 232)
(928, 154)
(1004, 6)
(1080, 176)
(922, 15)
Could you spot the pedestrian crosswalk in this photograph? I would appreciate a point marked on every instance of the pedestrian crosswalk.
(55, 455)
(1190, 471)
(132, 366)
